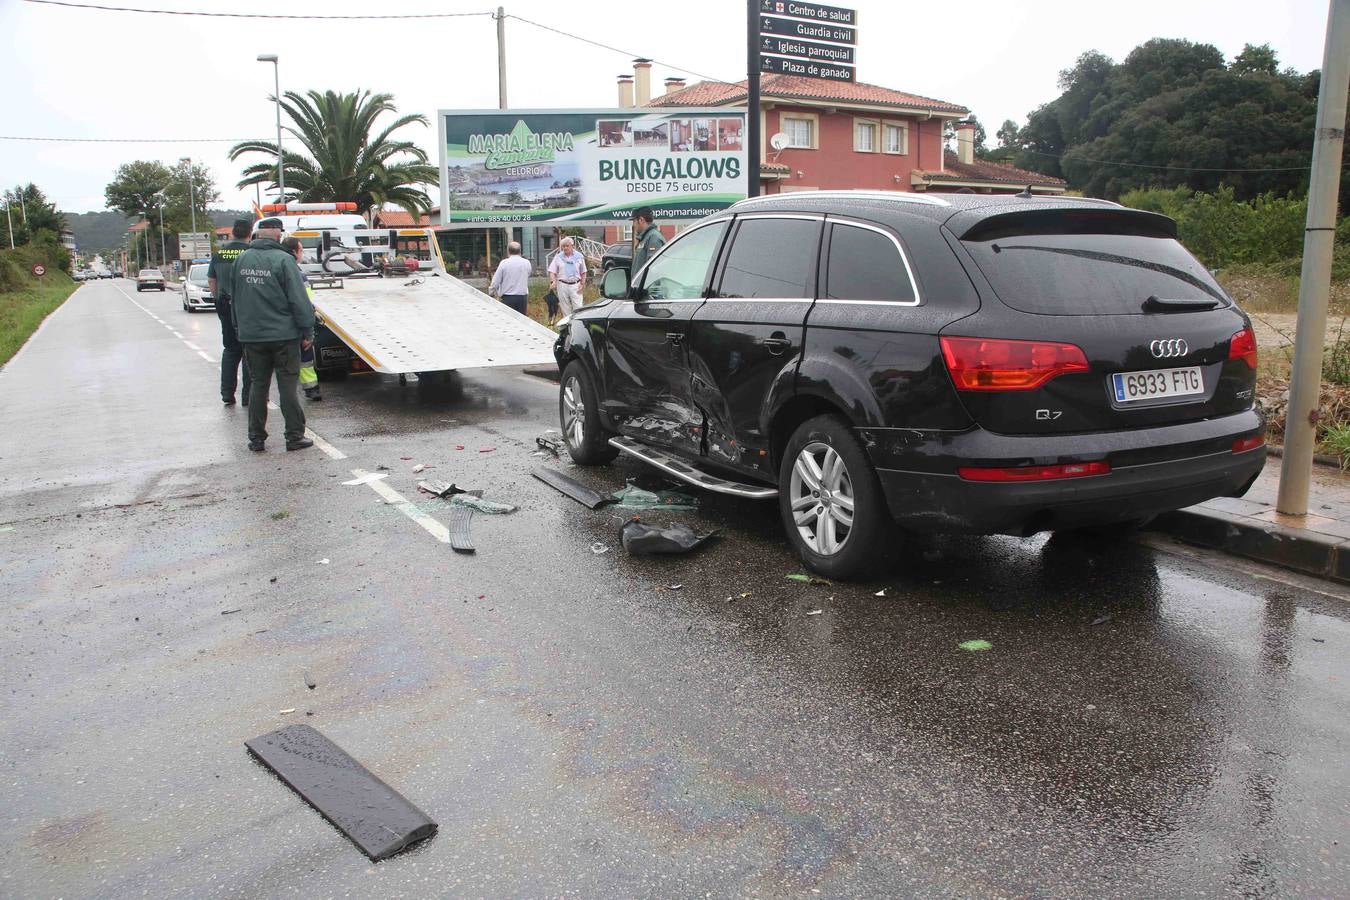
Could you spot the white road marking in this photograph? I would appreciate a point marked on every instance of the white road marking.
(407, 507)
(391, 496)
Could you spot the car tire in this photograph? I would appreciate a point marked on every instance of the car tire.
(579, 417)
(823, 461)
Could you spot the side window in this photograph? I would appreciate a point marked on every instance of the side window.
(865, 265)
(680, 271)
(772, 258)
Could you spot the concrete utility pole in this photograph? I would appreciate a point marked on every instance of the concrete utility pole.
(9, 217)
(1305, 381)
(192, 195)
(276, 95)
(501, 58)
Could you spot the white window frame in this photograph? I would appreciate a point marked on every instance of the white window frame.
(875, 125)
(812, 121)
(904, 138)
(626, 233)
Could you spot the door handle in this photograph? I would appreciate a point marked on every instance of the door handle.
(776, 344)
(674, 337)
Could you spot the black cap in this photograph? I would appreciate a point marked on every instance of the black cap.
(271, 223)
(644, 212)
(242, 223)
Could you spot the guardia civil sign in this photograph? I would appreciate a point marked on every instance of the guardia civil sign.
(589, 166)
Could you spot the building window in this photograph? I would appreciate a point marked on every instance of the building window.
(801, 131)
(864, 136)
(895, 138)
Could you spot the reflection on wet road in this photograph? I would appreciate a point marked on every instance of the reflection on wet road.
(1148, 719)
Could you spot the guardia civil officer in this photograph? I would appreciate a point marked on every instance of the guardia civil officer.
(232, 352)
(647, 238)
(275, 320)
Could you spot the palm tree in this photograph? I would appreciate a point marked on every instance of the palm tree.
(345, 163)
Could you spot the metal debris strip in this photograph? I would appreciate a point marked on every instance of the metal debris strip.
(633, 497)
(374, 816)
(579, 492)
(550, 441)
(641, 539)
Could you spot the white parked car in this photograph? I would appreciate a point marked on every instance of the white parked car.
(197, 291)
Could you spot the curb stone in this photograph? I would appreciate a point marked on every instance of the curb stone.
(1322, 556)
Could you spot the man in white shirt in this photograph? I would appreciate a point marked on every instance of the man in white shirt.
(567, 277)
(511, 281)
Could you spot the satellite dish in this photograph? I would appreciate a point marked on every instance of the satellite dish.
(779, 140)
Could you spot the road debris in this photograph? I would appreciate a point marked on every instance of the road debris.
(571, 487)
(880, 593)
(273, 579)
(405, 458)
(279, 515)
(487, 449)
(439, 488)
(633, 497)
(1102, 619)
(365, 479)
(597, 548)
(460, 539)
(806, 579)
(309, 681)
(480, 505)
(814, 612)
(551, 441)
(641, 539)
(286, 712)
(459, 446)
(382, 468)
(421, 467)
(375, 817)
(228, 612)
(674, 587)
(976, 645)
(324, 561)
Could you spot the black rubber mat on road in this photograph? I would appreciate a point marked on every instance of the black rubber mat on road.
(571, 487)
(376, 818)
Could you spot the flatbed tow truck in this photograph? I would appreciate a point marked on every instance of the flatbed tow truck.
(385, 303)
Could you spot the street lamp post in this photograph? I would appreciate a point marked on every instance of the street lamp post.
(276, 95)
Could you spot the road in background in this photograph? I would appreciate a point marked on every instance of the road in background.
(1149, 720)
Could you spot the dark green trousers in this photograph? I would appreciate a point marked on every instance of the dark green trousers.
(264, 359)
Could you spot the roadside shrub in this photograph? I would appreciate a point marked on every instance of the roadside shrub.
(11, 276)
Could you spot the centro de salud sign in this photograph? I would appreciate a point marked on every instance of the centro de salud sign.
(791, 36)
(589, 166)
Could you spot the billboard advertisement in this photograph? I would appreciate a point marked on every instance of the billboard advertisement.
(589, 166)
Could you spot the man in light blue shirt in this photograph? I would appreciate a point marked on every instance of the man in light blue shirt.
(511, 281)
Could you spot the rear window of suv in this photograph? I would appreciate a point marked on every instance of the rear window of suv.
(1090, 274)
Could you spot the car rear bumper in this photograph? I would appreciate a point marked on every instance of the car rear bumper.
(1153, 470)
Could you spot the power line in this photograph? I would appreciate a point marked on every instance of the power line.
(75, 140)
(239, 15)
(629, 53)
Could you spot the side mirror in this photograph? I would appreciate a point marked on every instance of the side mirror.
(614, 286)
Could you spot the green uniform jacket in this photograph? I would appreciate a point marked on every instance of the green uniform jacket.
(646, 244)
(268, 295)
(222, 263)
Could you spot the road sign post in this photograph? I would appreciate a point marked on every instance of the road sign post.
(810, 40)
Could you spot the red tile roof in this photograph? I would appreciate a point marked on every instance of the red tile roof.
(140, 226)
(983, 170)
(397, 218)
(799, 87)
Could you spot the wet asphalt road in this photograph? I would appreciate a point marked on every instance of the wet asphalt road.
(576, 725)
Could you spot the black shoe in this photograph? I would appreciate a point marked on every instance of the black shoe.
(255, 446)
(314, 396)
(228, 401)
(300, 444)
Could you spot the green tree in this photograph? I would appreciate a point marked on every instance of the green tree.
(135, 188)
(177, 212)
(32, 212)
(348, 160)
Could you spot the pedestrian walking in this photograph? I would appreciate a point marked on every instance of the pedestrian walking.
(218, 278)
(275, 320)
(511, 281)
(567, 277)
(309, 376)
(647, 239)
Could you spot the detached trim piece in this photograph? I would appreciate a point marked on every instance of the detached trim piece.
(676, 468)
(571, 487)
(374, 816)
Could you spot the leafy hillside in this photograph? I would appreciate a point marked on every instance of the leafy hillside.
(105, 230)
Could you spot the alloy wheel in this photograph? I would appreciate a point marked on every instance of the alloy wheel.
(821, 492)
(574, 413)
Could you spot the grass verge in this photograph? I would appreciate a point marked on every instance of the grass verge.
(22, 311)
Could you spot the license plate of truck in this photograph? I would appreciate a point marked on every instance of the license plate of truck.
(1131, 387)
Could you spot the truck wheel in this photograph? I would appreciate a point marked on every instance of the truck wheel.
(831, 503)
(579, 418)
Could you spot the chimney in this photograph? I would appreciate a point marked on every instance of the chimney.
(965, 142)
(625, 91)
(642, 75)
(674, 84)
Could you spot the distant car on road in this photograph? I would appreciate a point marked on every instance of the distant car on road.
(618, 255)
(197, 290)
(149, 280)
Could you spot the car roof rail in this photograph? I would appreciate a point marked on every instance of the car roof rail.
(900, 196)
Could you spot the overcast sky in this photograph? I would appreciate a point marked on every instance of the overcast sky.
(75, 73)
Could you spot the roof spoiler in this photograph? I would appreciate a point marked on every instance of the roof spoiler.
(971, 226)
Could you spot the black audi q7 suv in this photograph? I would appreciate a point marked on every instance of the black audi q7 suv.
(955, 363)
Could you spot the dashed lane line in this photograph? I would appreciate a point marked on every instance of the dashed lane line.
(391, 496)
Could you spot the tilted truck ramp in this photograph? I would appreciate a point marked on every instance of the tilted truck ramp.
(430, 323)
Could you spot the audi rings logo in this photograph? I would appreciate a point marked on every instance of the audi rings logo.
(1169, 349)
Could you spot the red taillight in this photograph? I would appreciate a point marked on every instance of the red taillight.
(1242, 445)
(992, 364)
(1035, 473)
(1243, 346)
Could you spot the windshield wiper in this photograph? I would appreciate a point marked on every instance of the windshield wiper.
(1178, 304)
